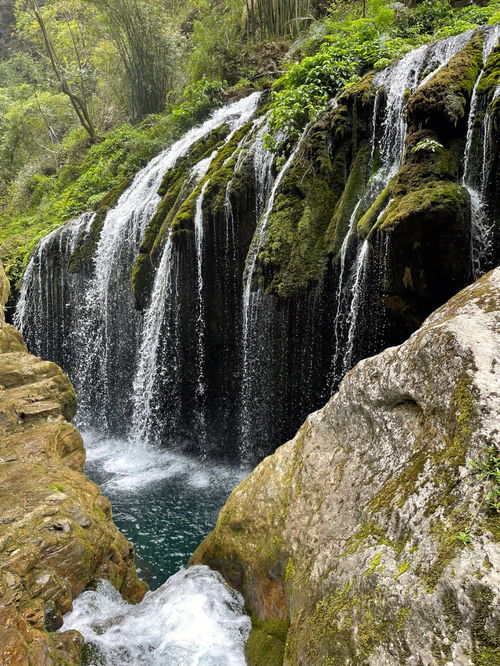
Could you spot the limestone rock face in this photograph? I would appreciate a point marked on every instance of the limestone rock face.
(56, 531)
(368, 538)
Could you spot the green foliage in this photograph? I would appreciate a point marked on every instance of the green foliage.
(489, 470)
(308, 85)
(428, 144)
(464, 538)
(198, 100)
(356, 45)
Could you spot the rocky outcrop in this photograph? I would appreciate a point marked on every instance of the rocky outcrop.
(372, 536)
(56, 530)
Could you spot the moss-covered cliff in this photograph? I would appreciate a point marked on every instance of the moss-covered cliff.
(284, 266)
(371, 537)
(56, 530)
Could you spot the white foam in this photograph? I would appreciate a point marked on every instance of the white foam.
(130, 468)
(194, 619)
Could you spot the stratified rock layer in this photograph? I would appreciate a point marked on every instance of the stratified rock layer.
(56, 531)
(367, 539)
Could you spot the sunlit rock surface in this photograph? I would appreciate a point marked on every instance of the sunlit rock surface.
(368, 537)
(56, 531)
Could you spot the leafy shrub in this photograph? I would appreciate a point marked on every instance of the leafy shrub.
(356, 45)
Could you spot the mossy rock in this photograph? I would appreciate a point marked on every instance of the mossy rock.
(86, 245)
(266, 643)
(490, 78)
(295, 249)
(437, 200)
(442, 101)
(353, 191)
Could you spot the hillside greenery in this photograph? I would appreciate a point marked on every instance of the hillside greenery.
(90, 90)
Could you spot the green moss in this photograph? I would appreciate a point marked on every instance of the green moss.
(436, 198)
(375, 565)
(369, 219)
(446, 463)
(399, 489)
(447, 93)
(402, 618)
(266, 643)
(403, 568)
(491, 75)
(272, 552)
(295, 249)
(451, 611)
(448, 546)
(484, 628)
(370, 534)
(354, 187)
(449, 458)
(348, 625)
(289, 569)
(424, 167)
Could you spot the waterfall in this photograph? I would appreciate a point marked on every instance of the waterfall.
(339, 325)
(49, 290)
(252, 303)
(475, 171)
(357, 291)
(396, 80)
(214, 362)
(158, 360)
(198, 235)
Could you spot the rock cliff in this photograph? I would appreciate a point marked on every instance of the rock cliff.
(56, 531)
(372, 536)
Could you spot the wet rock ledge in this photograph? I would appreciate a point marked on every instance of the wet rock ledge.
(56, 530)
(371, 538)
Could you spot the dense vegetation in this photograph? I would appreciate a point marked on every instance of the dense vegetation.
(91, 89)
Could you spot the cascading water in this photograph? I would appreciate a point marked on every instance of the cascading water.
(49, 288)
(159, 357)
(99, 317)
(194, 618)
(357, 291)
(198, 235)
(412, 71)
(475, 177)
(254, 380)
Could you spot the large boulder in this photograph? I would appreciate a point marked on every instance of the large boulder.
(372, 536)
(56, 530)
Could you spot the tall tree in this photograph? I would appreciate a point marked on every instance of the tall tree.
(75, 92)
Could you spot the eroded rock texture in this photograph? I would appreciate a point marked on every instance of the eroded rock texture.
(368, 539)
(56, 531)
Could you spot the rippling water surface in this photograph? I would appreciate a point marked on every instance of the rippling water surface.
(164, 502)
